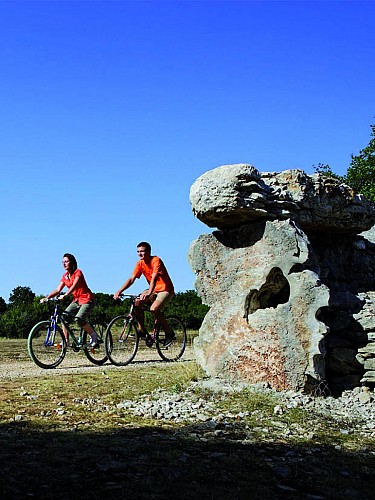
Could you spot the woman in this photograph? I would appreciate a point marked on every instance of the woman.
(83, 298)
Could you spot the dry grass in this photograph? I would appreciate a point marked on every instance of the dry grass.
(61, 437)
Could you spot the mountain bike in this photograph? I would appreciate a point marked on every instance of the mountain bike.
(122, 337)
(47, 344)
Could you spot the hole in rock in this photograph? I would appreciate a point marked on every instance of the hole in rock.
(275, 291)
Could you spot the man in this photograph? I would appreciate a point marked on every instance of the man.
(159, 292)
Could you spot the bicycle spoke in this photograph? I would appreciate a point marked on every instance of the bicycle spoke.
(97, 354)
(47, 348)
(176, 348)
(121, 341)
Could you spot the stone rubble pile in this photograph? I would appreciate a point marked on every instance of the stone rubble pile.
(163, 405)
(357, 404)
(354, 407)
(366, 357)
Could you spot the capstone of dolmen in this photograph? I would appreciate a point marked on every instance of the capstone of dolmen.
(288, 279)
(232, 195)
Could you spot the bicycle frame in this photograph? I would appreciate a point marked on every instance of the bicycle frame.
(151, 337)
(47, 340)
(123, 336)
(51, 331)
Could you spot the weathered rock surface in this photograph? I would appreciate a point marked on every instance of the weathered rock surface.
(232, 195)
(258, 327)
(288, 279)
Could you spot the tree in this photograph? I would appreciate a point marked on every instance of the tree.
(20, 296)
(18, 319)
(25, 310)
(327, 171)
(3, 305)
(188, 307)
(361, 173)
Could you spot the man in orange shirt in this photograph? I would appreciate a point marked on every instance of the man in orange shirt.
(159, 292)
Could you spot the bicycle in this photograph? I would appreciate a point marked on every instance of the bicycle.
(47, 345)
(122, 337)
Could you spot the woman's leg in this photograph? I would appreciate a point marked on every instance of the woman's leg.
(82, 319)
(70, 311)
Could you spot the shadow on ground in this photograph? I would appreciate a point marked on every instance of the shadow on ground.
(154, 463)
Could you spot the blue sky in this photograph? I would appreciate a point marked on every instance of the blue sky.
(111, 110)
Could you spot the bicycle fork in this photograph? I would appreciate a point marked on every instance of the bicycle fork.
(51, 335)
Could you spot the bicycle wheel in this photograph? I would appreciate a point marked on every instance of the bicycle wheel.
(96, 355)
(47, 348)
(176, 349)
(121, 341)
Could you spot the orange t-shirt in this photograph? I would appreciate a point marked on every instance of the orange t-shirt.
(82, 293)
(163, 281)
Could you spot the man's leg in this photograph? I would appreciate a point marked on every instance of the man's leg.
(160, 301)
(140, 315)
(159, 316)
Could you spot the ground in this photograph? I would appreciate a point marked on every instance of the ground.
(65, 435)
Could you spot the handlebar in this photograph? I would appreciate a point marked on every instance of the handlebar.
(51, 299)
(132, 297)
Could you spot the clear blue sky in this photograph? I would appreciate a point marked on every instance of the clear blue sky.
(111, 110)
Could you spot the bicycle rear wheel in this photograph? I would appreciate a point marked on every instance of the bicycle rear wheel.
(96, 355)
(47, 348)
(176, 349)
(121, 341)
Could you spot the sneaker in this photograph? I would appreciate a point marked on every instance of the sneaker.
(94, 343)
(169, 338)
(60, 345)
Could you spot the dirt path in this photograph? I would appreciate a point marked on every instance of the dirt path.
(23, 367)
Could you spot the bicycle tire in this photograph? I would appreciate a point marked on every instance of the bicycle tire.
(47, 350)
(121, 341)
(96, 355)
(176, 349)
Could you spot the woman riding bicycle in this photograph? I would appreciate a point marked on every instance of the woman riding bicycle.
(83, 298)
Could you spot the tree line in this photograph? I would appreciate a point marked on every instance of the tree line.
(24, 310)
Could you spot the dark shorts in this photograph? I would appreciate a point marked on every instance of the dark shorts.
(80, 313)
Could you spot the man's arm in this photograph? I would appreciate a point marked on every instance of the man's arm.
(146, 294)
(128, 283)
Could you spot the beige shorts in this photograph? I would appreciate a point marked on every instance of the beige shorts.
(162, 297)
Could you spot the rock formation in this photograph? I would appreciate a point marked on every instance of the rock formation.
(288, 277)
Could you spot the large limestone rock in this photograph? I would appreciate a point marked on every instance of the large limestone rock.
(288, 279)
(232, 195)
(262, 322)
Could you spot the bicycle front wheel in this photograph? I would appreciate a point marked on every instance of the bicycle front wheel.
(96, 355)
(121, 341)
(46, 346)
(176, 349)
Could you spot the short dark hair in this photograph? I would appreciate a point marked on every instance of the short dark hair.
(72, 260)
(145, 244)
